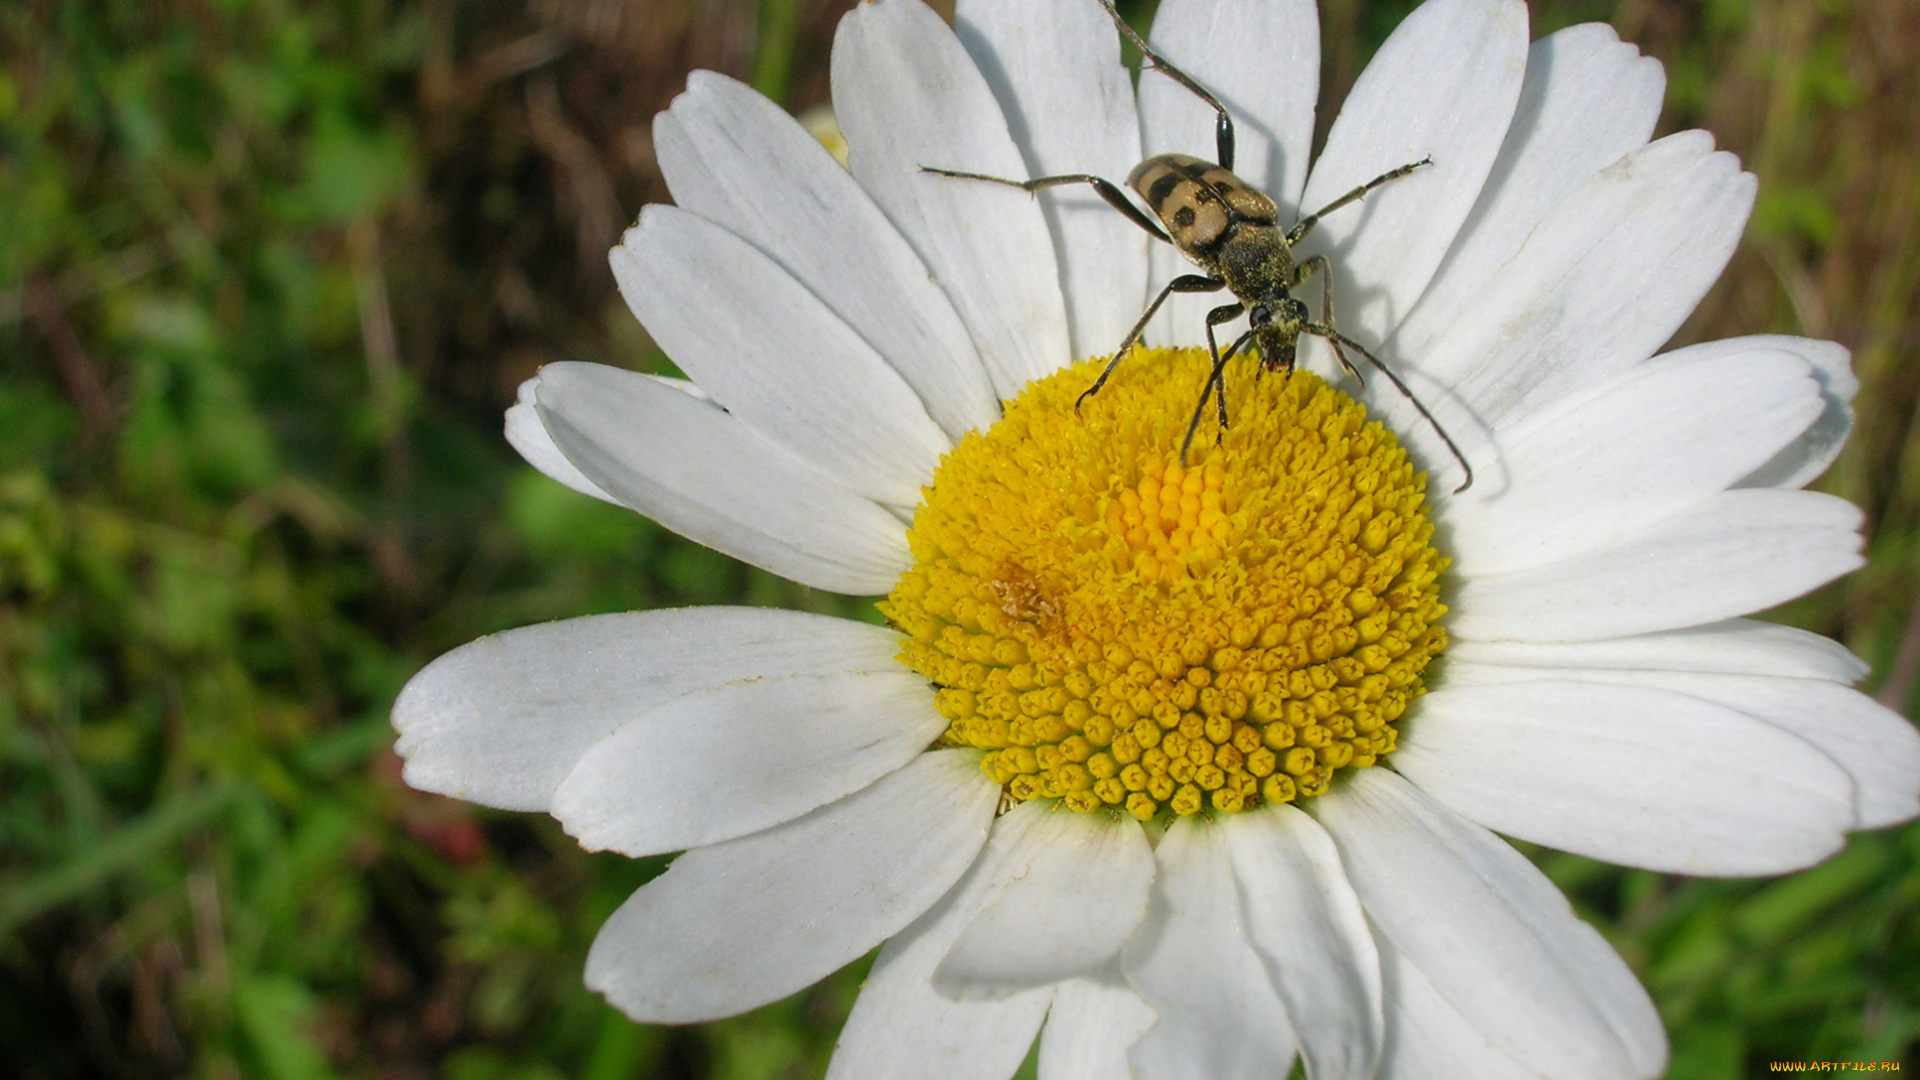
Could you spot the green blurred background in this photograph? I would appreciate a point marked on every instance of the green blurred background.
(269, 272)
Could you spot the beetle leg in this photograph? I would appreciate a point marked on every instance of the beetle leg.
(1104, 188)
(1216, 377)
(1305, 225)
(1318, 265)
(1185, 283)
(1223, 125)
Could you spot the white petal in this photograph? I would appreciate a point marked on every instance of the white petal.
(1737, 552)
(1587, 99)
(1674, 435)
(526, 434)
(1261, 58)
(1192, 962)
(1631, 775)
(1093, 1023)
(734, 926)
(1444, 84)
(907, 95)
(1606, 277)
(1067, 890)
(1734, 647)
(771, 353)
(1497, 940)
(902, 1027)
(1054, 66)
(1596, 287)
(501, 721)
(735, 759)
(1808, 456)
(735, 158)
(1307, 925)
(712, 478)
(1877, 747)
(1428, 1039)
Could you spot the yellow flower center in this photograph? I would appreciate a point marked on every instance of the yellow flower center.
(1118, 631)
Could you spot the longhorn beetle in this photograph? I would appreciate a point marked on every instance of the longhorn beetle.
(1232, 232)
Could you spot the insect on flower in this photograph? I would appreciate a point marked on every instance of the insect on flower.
(1232, 232)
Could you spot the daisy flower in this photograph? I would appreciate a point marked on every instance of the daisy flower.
(1189, 768)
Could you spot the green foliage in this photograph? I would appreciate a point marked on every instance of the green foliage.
(269, 272)
(234, 517)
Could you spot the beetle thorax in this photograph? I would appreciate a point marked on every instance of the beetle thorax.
(1255, 262)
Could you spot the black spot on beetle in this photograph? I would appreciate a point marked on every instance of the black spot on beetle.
(1162, 187)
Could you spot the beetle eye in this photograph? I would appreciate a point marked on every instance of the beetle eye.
(1261, 315)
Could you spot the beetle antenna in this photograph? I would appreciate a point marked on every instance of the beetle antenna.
(1193, 425)
(1216, 378)
(1338, 339)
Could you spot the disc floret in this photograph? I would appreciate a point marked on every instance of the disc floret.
(1115, 630)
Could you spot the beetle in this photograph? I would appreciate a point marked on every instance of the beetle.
(1232, 232)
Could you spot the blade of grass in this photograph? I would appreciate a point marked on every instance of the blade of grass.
(117, 852)
(773, 53)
